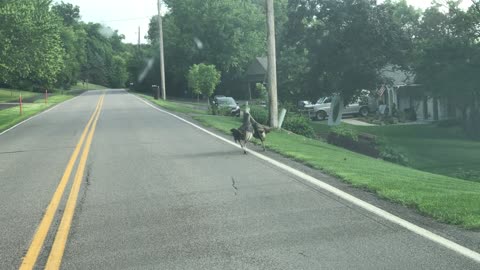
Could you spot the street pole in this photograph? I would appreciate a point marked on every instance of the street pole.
(272, 65)
(162, 64)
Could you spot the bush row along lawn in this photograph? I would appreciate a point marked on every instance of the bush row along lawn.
(444, 198)
(429, 148)
(10, 117)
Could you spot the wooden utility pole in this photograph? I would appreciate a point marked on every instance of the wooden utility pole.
(272, 65)
(162, 65)
(138, 43)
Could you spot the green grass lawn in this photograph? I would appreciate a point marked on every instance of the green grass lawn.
(7, 95)
(444, 198)
(10, 117)
(181, 107)
(429, 148)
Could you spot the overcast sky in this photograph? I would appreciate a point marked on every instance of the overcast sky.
(126, 16)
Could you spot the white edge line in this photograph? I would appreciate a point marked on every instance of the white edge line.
(38, 114)
(367, 206)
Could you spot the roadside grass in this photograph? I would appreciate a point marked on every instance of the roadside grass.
(7, 95)
(428, 148)
(444, 198)
(10, 117)
(180, 107)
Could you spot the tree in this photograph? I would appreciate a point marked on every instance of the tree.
(228, 34)
(203, 79)
(448, 58)
(73, 38)
(31, 52)
(347, 42)
(118, 72)
(68, 12)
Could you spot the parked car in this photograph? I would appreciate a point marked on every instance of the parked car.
(227, 102)
(322, 109)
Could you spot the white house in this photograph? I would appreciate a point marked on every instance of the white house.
(403, 94)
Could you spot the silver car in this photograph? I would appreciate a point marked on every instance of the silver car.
(322, 109)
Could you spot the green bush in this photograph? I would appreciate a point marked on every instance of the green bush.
(299, 124)
(289, 106)
(214, 110)
(390, 154)
(260, 114)
(345, 131)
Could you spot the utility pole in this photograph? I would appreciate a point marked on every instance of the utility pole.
(138, 44)
(162, 65)
(272, 65)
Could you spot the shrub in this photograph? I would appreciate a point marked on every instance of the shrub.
(449, 123)
(410, 114)
(299, 124)
(260, 114)
(345, 131)
(289, 106)
(390, 154)
(214, 110)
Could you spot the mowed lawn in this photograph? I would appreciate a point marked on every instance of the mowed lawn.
(444, 198)
(11, 116)
(429, 148)
(8, 95)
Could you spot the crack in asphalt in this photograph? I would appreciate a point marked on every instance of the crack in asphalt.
(234, 187)
(35, 150)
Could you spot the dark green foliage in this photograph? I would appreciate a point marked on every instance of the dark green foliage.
(391, 154)
(214, 110)
(260, 114)
(299, 124)
(345, 131)
(347, 42)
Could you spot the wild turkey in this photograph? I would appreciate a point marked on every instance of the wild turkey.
(243, 134)
(260, 131)
(250, 128)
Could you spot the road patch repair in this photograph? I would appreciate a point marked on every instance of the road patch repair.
(343, 195)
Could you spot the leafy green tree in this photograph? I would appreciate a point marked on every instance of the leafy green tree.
(31, 52)
(73, 38)
(228, 34)
(448, 57)
(347, 42)
(203, 79)
(68, 12)
(118, 72)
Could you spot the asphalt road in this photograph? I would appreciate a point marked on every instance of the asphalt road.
(158, 193)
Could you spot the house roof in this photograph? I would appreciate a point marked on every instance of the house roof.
(258, 67)
(397, 76)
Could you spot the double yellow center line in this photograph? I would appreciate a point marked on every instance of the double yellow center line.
(58, 248)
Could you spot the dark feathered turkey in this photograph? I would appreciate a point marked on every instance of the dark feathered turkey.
(250, 128)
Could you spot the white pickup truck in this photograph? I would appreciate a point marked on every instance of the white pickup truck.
(322, 109)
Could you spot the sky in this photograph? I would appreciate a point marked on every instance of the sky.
(126, 16)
